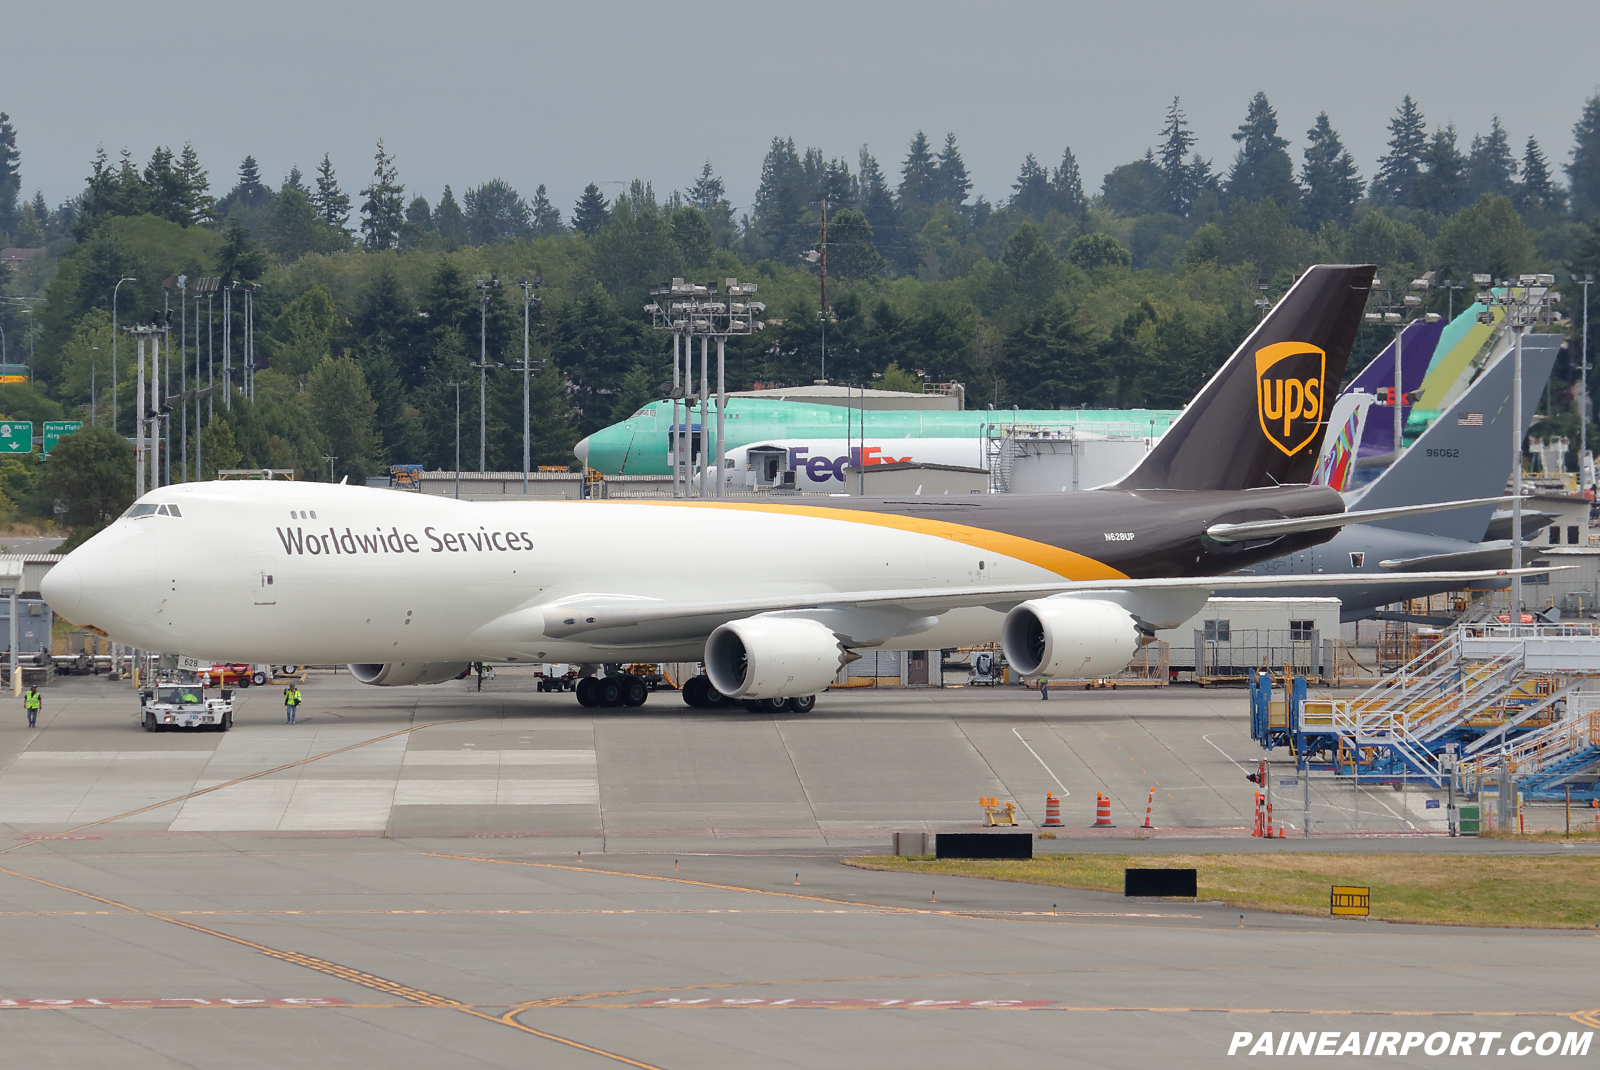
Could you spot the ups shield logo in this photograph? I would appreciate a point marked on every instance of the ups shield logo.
(1289, 393)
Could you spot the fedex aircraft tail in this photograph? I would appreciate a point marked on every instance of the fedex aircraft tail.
(1259, 421)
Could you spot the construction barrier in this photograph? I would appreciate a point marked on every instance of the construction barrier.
(1102, 811)
(1052, 811)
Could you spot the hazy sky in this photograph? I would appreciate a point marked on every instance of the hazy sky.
(566, 94)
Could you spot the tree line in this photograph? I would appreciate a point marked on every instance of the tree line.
(370, 319)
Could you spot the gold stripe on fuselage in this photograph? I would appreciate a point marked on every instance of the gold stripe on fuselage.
(1065, 563)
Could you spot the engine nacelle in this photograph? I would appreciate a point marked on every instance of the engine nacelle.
(772, 657)
(400, 673)
(1071, 637)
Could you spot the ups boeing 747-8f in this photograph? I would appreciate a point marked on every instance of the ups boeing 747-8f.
(774, 597)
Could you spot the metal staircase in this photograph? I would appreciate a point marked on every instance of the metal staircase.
(1546, 763)
(1479, 687)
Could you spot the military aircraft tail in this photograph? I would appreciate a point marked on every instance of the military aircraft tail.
(1259, 421)
(1466, 452)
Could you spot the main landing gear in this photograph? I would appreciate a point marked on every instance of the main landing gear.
(624, 690)
(698, 692)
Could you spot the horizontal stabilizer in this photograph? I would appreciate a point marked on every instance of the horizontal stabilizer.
(1270, 529)
(1482, 555)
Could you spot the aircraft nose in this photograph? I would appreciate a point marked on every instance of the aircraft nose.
(62, 589)
(582, 450)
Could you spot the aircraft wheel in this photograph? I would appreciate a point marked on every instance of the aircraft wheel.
(608, 692)
(802, 703)
(764, 705)
(634, 692)
(713, 697)
(586, 692)
(694, 691)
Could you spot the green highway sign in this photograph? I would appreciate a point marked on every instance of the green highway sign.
(16, 436)
(56, 430)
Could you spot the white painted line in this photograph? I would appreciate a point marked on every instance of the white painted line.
(1224, 753)
(1047, 769)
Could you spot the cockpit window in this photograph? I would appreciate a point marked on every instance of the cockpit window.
(141, 509)
(646, 413)
(170, 510)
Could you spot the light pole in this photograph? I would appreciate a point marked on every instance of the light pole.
(486, 288)
(330, 458)
(1450, 286)
(819, 257)
(690, 310)
(114, 290)
(458, 438)
(1524, 304)
(530, 301)
(1583, 416)
(94, 361)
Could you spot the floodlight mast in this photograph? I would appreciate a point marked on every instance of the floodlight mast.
(486, 288)
(1394, 312)
(530, 301)
(1583, 418)
(1524, 304)
(689, 310)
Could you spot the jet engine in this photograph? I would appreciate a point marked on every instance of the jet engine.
(1070, 637)
(773, 657)
(399, 673)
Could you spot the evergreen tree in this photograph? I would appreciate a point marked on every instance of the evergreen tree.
(707, 191)
(1396, 180)
(1537, 192)
(917, 179)
(1442, 185)
(1262, 167)
(248, 193)
(635, 392)
(692, 236)
(419, 221)
(164, 188)
(240, 258)
(877, 203)
(331, 203)
(591, 211)
(198, 204)
(344, 410)
(951, 182)
(387, 320)
(1332, 184)
(852, 254)
(495, 213)
(779, 225)
(1174, 161)
(419, 215)
(449, 220)
(546, 216)
(10, 176)
(383, 211)
(1031, 195)
(1583, 173)
(1491, 168)
(1066, 187)
(295, 180)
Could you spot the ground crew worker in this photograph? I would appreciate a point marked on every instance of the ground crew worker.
(33, 700)
(291, 701)
(1044, 689)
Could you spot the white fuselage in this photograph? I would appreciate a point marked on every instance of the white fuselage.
(319, 573)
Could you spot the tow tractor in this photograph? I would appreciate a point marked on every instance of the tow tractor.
(171, 704)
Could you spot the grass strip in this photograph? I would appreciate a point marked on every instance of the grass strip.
(1485, 890)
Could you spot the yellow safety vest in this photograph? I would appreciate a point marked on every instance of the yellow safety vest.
(32, 699)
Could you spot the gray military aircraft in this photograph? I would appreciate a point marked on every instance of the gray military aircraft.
(1465, 454)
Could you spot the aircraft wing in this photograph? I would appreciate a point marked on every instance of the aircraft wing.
(577, 614)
